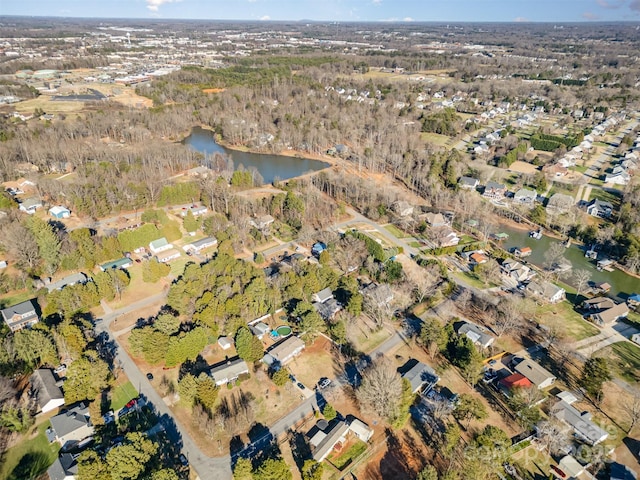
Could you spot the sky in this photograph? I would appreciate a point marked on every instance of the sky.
(337, 10)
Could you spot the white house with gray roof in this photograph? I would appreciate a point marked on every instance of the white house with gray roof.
(72, 426)
(229, 371)
(160, 245)
(44, 389)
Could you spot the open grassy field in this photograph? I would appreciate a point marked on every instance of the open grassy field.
(395, 231)
(435, 138)
(31, 457)
(48, 105)
(567, 322)
(15, 297)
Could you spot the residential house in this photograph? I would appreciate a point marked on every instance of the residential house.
(199, 245)
(468, 183)
(165, 256)
(597, 304)
(325, 304)
(478, 258)
(262, 223)
(30, 205)
(580, 422)
(120, 263)
(526, 197)
(478, 335)
(515, 380)
(65, 467)
(323, 295)
(21, 315)
(196, 211)
(402, 208)
(318, 248)
(228, 371)
(379, 294)
(260, 329)
(436, 220)
(44, 389)
(516, 271)
(360, 429)
(495, 191)
(444, 236)
(560, 203)
(522, 251)
(609, 316)
(572, 468)
(225, 343)
(618, 176)
(323, 442)
(160, 245)
(555, 170)
(599, 208)
(67, 281)
(535, 373)
(71, 426)
(421, 375)
(284, 351)
(546, 291)
(59, 212)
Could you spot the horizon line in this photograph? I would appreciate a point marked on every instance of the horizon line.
(397, 21)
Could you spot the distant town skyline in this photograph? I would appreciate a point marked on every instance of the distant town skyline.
(337, 10)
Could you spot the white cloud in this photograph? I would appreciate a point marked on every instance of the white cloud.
(376, 2)
(407, 19)
(265, 18)
(154, 5)
(520, 19)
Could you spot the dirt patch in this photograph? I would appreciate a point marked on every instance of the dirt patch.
(523, 167)
(315, 362)
(213, 90)
(130, 319)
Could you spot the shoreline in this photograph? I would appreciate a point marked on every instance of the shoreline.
(319, 157)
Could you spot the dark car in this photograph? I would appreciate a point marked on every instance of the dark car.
(183, 460)
(149, 376)
(300, 386)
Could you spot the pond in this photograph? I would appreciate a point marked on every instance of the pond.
(270, 166)
(620, 282)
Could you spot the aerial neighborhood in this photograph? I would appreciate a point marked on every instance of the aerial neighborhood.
(261, 250)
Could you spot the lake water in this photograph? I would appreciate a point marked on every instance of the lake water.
(620, 282)
(270, 166)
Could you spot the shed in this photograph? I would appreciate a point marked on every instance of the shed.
(360, 429)
(225, 343)
(59, 212)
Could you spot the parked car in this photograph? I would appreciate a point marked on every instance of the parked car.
(183, 460)
(324, 382)
(300, 386)
(149, 376)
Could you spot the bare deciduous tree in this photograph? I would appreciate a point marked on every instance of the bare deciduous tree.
(381, 388)
(581, 278)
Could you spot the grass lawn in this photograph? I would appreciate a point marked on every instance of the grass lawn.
(415, 244)
(395, 231)
(613, 198)
(580, 169)
(13, 298)
(566, 321)
(472, 279)
(625, 359)
(122, 394)
(31, 457)
(596, 181)
(345, 458)
(435, 138)
(177, 265)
